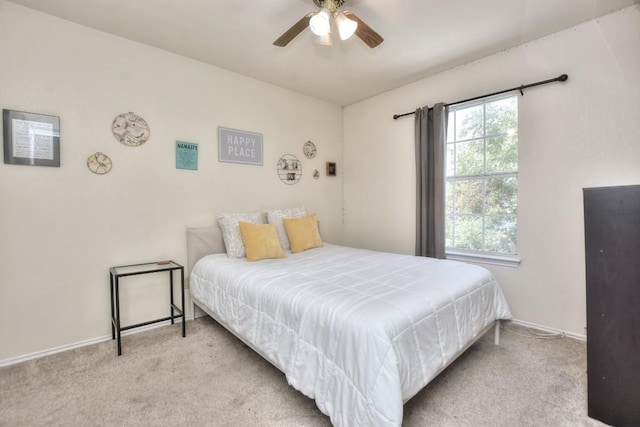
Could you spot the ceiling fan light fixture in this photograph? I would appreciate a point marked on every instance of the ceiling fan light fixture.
(320, 24)
(324, 40)
(346, 26)
(326, 16)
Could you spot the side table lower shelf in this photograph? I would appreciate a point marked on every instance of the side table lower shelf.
(115, 273)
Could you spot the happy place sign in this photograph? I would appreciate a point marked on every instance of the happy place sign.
(238, 146)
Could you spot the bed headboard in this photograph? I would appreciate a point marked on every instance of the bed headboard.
(203, 241)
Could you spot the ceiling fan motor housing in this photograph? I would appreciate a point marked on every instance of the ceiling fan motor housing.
(331, 5)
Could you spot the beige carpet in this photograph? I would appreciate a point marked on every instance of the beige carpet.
(210, 378)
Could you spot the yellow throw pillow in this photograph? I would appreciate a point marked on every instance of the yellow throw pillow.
(303, 233)
(260, 241)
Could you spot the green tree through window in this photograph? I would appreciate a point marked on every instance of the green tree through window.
(482, 176)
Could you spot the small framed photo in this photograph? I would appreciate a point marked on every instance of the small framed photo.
(31, 139)
(331, 169)
(186, 155)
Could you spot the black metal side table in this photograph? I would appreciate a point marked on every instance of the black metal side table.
(115, 273)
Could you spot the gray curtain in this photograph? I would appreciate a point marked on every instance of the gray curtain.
(431, 142)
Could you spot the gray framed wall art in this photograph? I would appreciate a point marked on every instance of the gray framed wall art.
(31, 139)
(238, 146)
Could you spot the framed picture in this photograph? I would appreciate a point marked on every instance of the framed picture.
(331, 169)
(239, 146)
(31, 139)
(186, 155)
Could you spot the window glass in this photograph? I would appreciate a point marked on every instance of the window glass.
(482, 177)
(469, 123)
(469, 157)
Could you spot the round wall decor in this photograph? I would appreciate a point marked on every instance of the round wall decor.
(130, 129)
(99, 163)
(289, 169)
(309, 150)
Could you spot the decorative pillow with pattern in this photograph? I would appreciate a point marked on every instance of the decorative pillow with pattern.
(275, 217)
(231, 231)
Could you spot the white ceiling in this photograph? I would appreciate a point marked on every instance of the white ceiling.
(421, 37)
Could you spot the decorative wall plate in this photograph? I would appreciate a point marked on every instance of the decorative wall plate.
(309, 150)
(99, 163)
(289, 169)
(130, 129)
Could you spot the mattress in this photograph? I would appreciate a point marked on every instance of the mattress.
(359, 331)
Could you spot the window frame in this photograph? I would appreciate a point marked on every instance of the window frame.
(496, 258)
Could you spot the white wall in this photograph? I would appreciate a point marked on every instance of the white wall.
(582, 133)
(62, 228)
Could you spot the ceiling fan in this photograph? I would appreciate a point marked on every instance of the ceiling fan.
(320, 24)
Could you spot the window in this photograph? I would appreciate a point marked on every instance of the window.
(482, 178)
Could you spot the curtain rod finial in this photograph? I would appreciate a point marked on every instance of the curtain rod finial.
(563, 78)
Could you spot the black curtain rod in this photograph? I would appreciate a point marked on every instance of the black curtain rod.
(521, 88)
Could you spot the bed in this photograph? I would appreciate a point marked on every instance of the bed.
(358, 331)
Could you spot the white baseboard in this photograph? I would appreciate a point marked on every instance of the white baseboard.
(200, 313)
(60, 349)
(573, 335)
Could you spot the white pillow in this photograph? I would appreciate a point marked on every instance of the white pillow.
(275, 217)
(231, 231)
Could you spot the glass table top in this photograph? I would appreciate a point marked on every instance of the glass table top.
(125, 270)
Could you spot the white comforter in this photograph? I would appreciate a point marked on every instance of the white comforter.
(359, 331)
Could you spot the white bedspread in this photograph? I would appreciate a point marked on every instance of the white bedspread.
(359, 331)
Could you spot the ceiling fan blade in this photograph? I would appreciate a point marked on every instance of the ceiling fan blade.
(370, 37)
(292, 32)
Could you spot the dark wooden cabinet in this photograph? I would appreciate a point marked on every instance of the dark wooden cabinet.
(612, 245)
